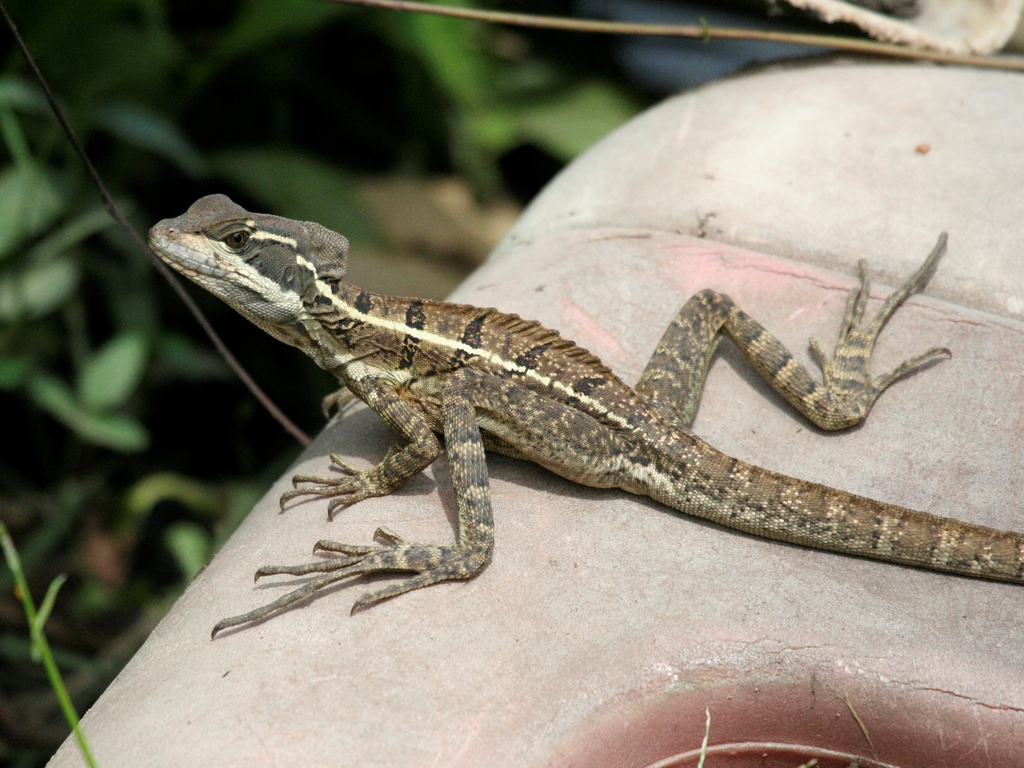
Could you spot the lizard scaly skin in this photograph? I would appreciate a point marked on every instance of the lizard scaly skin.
(487, 380)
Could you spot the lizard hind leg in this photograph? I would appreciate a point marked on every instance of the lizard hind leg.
(673, 380)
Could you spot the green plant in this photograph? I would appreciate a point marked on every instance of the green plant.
(41, 652)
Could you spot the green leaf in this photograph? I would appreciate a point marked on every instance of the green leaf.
(54, 396)
(261, 23)
(298, 186)
(29, 203)
(21, 94)
(144, 128)
(445, 46)
(13, 370)
(498, 129)
(162, 486)
(109, 430)
(112, 373)
(36, 289)
(569, 124)
(115, 431)
(71, 233)
(14, 137)
(189, 543)
(47, 278)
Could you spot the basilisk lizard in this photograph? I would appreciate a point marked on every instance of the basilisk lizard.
(490, 381)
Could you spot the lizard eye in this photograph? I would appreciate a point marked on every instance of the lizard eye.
(237, 240)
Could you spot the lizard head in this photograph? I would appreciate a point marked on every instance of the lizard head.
(263, 266)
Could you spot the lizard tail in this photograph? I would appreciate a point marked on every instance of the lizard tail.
(768, 504)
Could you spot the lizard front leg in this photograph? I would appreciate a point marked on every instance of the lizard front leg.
(674, 378)
(398, 464)
(431, 563)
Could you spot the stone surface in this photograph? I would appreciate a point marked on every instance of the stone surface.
(607, 626)
(824, 165)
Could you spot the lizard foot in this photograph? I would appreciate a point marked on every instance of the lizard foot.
(351, 486)
(429, 562)
(337, 401)
(851, 390)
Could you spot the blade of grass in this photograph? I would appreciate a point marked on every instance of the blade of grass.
(707, 735)
(43, 614)
(40, 647)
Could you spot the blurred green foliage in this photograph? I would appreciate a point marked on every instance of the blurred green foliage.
(129, 452)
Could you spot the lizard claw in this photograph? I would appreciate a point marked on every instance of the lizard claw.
(911, 365)
(351, 486)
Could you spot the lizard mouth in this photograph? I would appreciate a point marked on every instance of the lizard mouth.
(190, 262)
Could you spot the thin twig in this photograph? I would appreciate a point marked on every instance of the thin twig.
(694, 31)
(163, 269)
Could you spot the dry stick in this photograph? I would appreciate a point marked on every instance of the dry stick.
(863, 728)
(694, 31)
(162, 268)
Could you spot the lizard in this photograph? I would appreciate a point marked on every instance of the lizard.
(485, 380)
